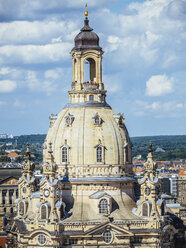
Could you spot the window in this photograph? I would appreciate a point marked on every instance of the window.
(62, 214)
(97, 120)
(4, 196)
(24, 190)
(11, 210)
(107, 236)
(91, 98)
(99, 154)
(16, 193)
(21, 208)
(73, 241)
(64, 155)
(162, 210)
(103, 206)
(145, 209)
(41, 239)
(43, 212)
(11, 192)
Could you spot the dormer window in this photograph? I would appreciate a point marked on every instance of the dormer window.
(91, 98)
(97, 120)
(103, 206)
(69, 119)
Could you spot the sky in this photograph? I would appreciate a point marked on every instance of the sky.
(144, 65)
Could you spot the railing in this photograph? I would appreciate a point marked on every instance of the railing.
(90, 170)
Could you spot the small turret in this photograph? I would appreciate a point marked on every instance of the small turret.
(28, 166)
(49, 168)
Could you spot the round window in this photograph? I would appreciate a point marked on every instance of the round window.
(41, 239)
(107, 236)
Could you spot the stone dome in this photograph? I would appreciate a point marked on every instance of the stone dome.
(86, 39)
(83, 129)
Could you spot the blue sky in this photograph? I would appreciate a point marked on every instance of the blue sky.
(144, 67)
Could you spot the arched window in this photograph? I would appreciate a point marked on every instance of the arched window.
(64, 155)
(43, 212)
(103, 206)
(145, 209)
(99, 154)
(91, 97)
(21, 208)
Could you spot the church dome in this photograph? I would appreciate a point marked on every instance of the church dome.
(87, 133)
(86, 39)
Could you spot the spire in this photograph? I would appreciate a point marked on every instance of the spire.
(86, 11)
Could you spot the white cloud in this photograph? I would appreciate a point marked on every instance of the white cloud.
(47, 84)
(7, 86)
(36, 32)
(159, 85)
(160, 109)
(29, 54)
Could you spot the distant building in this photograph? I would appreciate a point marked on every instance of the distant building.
(173, 184)
(159, 150)
(8, 193)
(3, 136)
(182, 187)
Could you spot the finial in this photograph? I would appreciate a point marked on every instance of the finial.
(150, 147)
(86, 11)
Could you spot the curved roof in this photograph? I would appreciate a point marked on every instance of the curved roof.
(86, 39)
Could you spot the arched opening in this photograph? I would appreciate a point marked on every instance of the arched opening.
(21, 208)
(75, 70)
(62, 213)
(162, 210)
(103, 206)
(89, 70)
(64, 155)
(43, 212)
(145, 209)
(99, 154)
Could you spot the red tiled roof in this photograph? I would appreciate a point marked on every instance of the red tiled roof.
(13, 155)
(182, 172)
